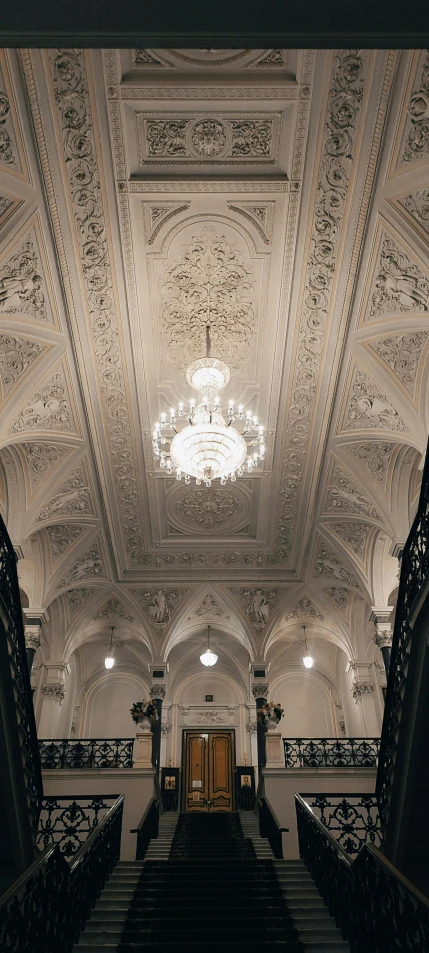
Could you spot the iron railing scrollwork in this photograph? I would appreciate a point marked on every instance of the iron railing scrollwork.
(414, 570)
(148, 827)
(353, 819)
(68, 822)
(331, 752)
(269, 826)
(17, 656)
(86, 753)
(376, 908)
(45, 910)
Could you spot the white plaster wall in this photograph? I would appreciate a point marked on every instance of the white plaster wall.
(307, 705)
(107, 708)
(208, 684)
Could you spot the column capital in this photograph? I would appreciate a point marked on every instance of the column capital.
(260, 691)
(33, 636)
(55, 690)
(35, 616)
(158, 691)
(380, 616)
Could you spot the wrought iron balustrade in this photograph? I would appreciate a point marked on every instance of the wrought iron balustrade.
(331, 752)
(45, 910)
(375, 906)
(353, 819)
(68, 822)
(86, 753)
(414, 570)
(15, 659)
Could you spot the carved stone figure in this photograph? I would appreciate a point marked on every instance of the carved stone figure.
(345, 496)
(260, 607)
(72, 498)
(159, 608)
(328, 564)
(89, 564)
(399, 284)
(22, 287)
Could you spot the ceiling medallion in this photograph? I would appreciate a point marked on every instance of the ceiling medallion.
(209, 447)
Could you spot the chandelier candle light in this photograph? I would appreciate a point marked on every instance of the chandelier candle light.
(209, 447)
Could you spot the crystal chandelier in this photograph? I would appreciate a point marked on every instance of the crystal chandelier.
(208, 447)
(208, 657)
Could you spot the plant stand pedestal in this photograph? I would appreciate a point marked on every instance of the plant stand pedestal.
(274, 750)
(143, 749)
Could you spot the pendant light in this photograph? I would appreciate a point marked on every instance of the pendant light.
(109, 661)
(308, 659)
(208, 657)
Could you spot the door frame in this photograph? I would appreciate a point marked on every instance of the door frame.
(207, 731)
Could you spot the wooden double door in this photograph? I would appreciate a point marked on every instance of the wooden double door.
(208, 770)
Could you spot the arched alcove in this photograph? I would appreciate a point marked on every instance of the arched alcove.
(307, 705)
(108, 703)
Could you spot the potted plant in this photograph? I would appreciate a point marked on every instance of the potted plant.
(144, 714)
(270, 714)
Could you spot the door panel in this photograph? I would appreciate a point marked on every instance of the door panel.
(208, 770)
(196, 772)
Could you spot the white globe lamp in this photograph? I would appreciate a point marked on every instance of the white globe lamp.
(208, 657)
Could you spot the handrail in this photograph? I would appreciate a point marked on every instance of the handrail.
(270, 827)
(43, 857)
(377, 908)
(46, 908)
(97, 830)
(324, 830)
(147, 828)
(414, 571)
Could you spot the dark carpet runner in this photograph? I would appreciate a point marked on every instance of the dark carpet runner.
(213, 893)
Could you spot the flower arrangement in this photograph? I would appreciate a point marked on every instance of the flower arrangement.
(270, 710)
(144, 710)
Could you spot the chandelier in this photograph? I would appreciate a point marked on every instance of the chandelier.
(109, 661)
(307, 659)
(208, 657)
(208, 447)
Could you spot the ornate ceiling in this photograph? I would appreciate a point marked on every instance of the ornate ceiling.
(286, 193)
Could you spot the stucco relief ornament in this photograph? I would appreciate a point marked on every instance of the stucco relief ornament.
(88, 565)
(209, 508)
(304, 609)
(257, 604)
(56, 691)
(328, 564)
(208, 284)
(210, 609)
(7, 144)
(81, 170)
(62, 536)
(339, 595)
(374, 456)
(416, 144)
(48, 409)
(369, 408)
(399, 284)
(402, 353)
(208, 137)
(71, 499)
(21, 283)
(353, 533)
(76, 598)
(114, 610)
(158, 604)
(40, 458)
(344, 496)
(16, 355)
(417, 205)
(342, 122)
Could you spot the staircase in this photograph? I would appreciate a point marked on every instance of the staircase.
(159, 847)
(250, 826)
(316, 928)
(205, 887)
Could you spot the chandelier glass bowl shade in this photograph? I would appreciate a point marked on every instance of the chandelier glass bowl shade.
(208, 657)
(208, 447)
(109, 660)
(307, 659)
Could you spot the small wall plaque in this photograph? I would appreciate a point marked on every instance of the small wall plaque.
(209, 698)
(197, 784)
